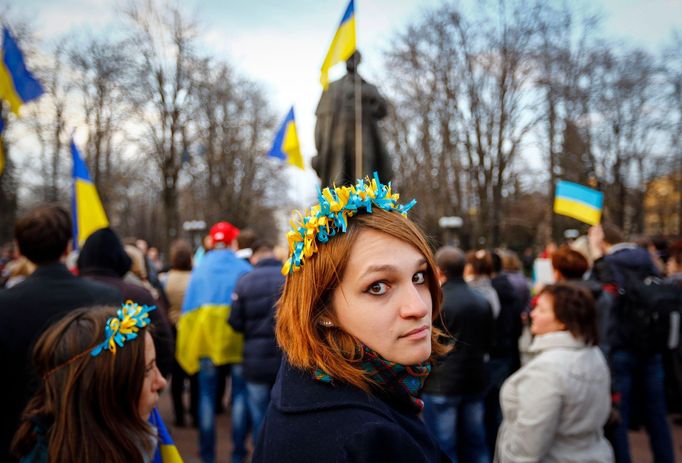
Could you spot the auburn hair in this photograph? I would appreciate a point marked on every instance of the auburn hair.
(574, 307)
(569, 263)
(87, 406)
(307, 294)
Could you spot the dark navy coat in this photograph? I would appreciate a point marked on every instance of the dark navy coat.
(311, 421)
(253, 313)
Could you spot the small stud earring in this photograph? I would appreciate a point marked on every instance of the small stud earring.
(326, 323)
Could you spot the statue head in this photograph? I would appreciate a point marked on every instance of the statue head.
(353, 62)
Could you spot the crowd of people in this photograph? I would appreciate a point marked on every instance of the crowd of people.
(358, 343)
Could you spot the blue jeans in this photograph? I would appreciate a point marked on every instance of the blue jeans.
(259, 399)
(457, 423)
(207, 391)
(625, 367)
(240, 414)
(208, 378)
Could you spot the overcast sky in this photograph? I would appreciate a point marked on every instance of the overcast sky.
(281, 43)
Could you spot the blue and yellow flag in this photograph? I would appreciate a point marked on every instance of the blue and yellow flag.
(17, 84)
(203, 331)
(166, 451)
(343, 44)
(286, 146)
(579, 202)
(87, 210)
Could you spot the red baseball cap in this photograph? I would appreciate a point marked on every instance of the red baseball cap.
(223, 232)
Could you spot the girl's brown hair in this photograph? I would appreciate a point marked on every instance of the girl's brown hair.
(87, 405)
(307, 298)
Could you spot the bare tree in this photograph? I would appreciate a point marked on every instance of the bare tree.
(233, 132)
(630, 128)
(101, 67)
(163, 38)
(464, 83)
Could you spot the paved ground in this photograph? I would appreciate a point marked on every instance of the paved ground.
(186, 438)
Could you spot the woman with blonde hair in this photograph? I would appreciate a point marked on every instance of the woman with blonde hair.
(355, 324)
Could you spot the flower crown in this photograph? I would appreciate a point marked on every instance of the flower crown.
(124, 326)
(330, 216)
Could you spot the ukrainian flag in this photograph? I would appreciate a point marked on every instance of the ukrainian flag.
(87, 210)
(343, 44)
(17, 84)
(203, 331)
(579, 202)
(166, 451)
(286, 146)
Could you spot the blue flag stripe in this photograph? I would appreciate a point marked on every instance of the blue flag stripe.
(26, 86)
(583, 194)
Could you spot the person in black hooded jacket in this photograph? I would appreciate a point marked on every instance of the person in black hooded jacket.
(104, 259)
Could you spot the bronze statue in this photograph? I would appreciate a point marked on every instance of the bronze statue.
(335, 130)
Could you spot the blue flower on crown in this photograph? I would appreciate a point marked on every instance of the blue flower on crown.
(124, 326)
(330, 216)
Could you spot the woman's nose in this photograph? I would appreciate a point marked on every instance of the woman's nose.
(415, 303)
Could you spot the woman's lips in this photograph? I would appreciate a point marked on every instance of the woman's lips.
(417, 333)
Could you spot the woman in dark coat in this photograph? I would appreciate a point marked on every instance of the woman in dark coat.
(355, 324)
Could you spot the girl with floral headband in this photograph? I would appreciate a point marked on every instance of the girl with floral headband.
(355, 324)
(100, 384)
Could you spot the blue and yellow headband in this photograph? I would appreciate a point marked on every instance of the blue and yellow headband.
(330, 216)
(124, 326)
(119, 329)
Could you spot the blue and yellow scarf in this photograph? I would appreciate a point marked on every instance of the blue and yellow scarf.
(396, 383)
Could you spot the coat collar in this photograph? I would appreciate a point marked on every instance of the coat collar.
(554, 340)
(297, 391)
(54, 269)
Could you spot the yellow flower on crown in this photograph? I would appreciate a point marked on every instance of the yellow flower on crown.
(124, 326)
(330, 217)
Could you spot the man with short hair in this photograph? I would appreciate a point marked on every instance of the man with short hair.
(616, 263)
(453, 394)
(206, 341)
(253, 313)
(43, 236)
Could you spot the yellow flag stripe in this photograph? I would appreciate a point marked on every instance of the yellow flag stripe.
(204, 333)
(90, 213)
(292, 147)
(7, 90)
(577, 210)
(342, 47)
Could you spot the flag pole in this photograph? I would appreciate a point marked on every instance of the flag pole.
(358, 123)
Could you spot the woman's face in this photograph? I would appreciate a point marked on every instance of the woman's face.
(153, 380)
(384, 299)
(544, 320)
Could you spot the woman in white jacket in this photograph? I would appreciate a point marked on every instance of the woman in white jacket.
(555, 407)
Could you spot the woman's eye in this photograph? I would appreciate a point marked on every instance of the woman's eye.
(378, 288)
(418, 278)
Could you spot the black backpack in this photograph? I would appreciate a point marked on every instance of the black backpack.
(650, 310)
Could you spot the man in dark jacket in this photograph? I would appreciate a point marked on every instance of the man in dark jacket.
(103, 259)
(615, 261)
(504, 350)
(27, 309)
(453, 394)
(253, 313)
